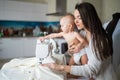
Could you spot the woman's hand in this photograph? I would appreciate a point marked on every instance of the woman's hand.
(74, 48)
(54, 66)
(50, 65)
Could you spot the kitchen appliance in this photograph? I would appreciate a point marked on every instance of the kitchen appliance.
(45, 50)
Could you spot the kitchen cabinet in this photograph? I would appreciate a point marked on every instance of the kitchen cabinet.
(29, 45)
(10, 48)
(1, 46)
(21, 47)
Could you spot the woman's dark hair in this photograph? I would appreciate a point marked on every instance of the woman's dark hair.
(101, 42)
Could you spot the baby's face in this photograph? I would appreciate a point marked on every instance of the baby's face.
(64, 25)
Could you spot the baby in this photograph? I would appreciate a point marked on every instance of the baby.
(71, 37)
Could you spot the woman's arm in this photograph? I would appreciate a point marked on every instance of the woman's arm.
(82, 43)
(57, 67)
(88, 70)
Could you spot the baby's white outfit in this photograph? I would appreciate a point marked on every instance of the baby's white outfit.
(77, 56)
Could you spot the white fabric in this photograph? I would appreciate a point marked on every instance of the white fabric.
(29, 69)
(77, 56)
(116, 44)
(95, 68)
(116, 48)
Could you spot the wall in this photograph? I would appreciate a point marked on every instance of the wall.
(105, 8)
(110, 7)
(16, 10)
(71, 5)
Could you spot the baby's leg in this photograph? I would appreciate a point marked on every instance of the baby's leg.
(83, 59)
(71, 62)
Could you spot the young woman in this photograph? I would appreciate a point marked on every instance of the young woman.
(99, 50)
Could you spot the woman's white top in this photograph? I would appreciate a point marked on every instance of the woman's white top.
(100, 70)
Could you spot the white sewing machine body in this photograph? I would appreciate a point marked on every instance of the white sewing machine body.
(44, 51)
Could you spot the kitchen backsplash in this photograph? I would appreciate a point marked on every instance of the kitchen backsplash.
(10, 28)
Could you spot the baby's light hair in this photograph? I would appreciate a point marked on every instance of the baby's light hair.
(70, 18)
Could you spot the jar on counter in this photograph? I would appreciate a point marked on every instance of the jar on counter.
(24, 34)
(36, 31)
(1, 33)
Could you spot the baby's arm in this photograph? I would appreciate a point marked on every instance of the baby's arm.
(53, 35)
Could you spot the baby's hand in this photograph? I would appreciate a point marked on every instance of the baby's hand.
(42, 38)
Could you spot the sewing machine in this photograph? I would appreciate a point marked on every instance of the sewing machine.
(45, 50)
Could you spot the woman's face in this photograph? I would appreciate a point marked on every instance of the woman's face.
(78, 20)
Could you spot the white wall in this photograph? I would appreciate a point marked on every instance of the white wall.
(71, 5)
(105, 8)
(109, 8)
(16, 10)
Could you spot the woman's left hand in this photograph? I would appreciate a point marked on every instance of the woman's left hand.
(54, 66)
(50, 65)
(74, 48)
